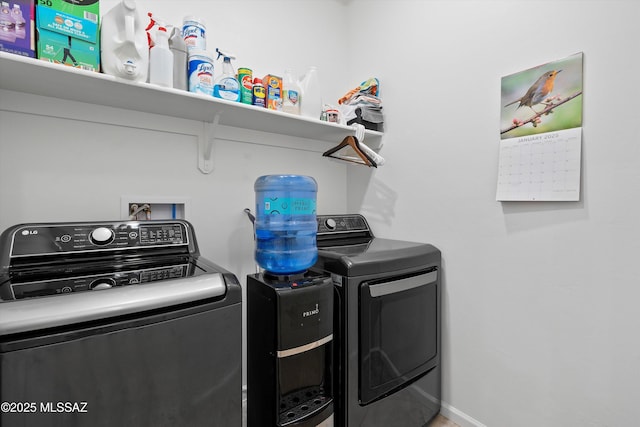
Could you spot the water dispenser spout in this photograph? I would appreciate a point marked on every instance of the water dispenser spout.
(250, 215)
(129, 67)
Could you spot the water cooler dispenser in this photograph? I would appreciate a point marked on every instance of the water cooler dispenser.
(289, 311)
(289, 351)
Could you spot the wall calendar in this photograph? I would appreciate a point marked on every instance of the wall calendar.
(541, 133)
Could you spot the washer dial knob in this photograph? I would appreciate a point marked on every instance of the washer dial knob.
(101, 236)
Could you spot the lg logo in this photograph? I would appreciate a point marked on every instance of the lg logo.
(29, 232)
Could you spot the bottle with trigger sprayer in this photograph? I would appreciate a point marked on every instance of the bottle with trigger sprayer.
(161, 60)
(226, 86)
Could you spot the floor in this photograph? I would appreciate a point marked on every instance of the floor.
(441, 421)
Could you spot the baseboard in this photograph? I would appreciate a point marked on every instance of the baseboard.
(459, 417)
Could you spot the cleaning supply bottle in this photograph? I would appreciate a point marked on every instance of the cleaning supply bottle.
(259, 95)
(161, 60)
(124, 48)
(179, 49)
(290, 94)
(311, 105)
(194, 32)
(226, 86)
(200, 71)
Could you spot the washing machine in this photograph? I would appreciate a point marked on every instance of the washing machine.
(386, 324)
(117, 324)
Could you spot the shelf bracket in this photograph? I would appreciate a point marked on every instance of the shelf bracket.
(205, 145)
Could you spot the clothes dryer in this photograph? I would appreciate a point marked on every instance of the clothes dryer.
(386, 324)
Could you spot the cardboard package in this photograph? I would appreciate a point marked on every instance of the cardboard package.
(69, 32)
(17, 27)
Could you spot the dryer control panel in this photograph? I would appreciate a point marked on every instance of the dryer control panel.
(329, 224)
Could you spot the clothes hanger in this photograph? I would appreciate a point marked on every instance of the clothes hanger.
(352, 142)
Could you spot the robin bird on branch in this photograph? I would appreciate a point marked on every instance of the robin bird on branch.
(538, 91)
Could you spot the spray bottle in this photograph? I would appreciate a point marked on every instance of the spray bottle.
(161, 60)
(226, 86)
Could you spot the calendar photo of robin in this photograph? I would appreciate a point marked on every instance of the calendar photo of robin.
(542, 99)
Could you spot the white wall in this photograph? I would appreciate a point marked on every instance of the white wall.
(540, 322)
(68, 161)
(58, 162)
(540, 299)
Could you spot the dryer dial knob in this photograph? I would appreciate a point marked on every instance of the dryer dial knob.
(330, 223)
(101, 236)
(103, 283)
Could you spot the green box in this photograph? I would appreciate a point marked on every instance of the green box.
(61, 49)
(69, 32)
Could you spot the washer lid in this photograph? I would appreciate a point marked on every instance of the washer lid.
(49, 312)
(375, 256)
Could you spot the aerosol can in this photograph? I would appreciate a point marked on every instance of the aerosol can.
(226, 86)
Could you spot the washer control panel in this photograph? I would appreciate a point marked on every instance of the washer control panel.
(68, 238)
(96, 282)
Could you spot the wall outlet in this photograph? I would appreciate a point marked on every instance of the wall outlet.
(150, 207)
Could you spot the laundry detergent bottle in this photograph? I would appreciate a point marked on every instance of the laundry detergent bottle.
(285, 224)
(124, 47)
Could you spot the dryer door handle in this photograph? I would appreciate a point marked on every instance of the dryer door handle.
(401, 285)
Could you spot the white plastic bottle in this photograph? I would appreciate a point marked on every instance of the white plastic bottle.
(161, 60)
(227, 86)
(311, 105)
(180, 59)
(290, 94)
(124, 49)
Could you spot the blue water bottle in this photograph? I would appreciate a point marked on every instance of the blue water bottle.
(285, 223)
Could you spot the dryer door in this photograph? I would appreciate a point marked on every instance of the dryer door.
(398, 332)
